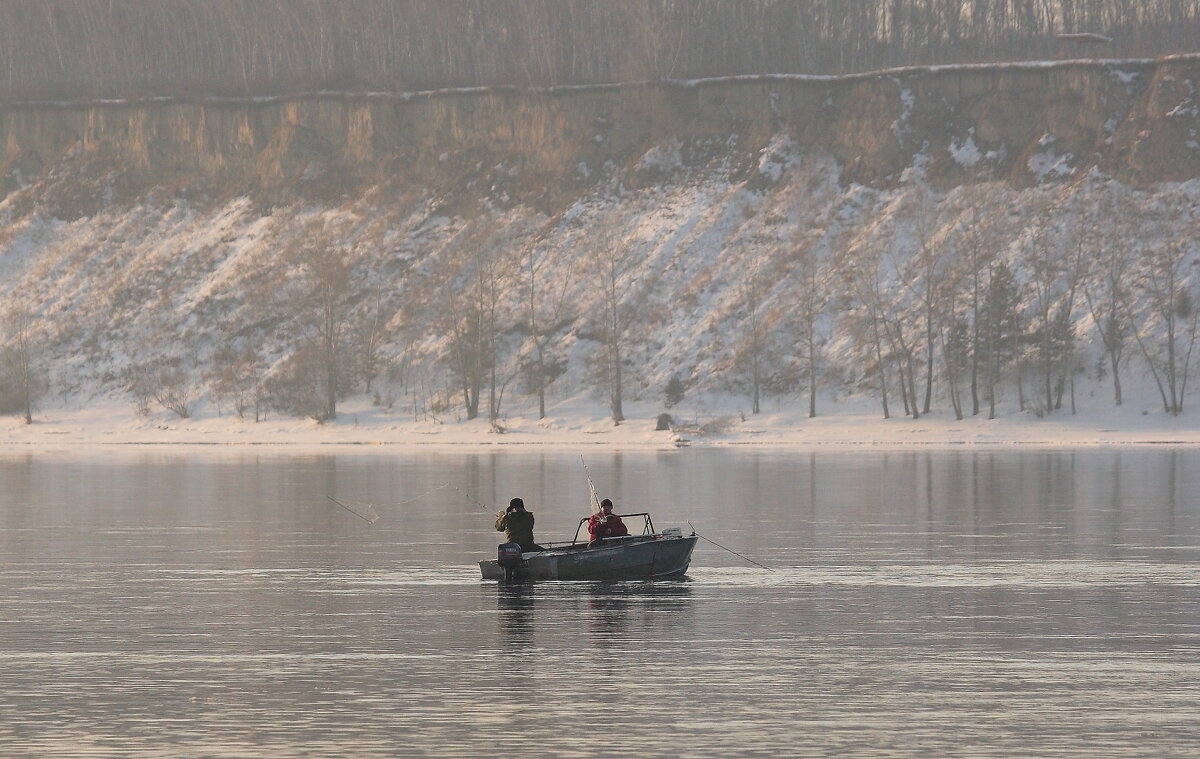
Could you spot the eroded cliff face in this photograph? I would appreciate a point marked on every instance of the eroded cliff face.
(134, 231)
(1137, 121)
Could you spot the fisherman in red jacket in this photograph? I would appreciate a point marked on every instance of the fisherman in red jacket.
(605, 524)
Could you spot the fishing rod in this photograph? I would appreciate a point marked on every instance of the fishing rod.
(595, 498)
(723, 548)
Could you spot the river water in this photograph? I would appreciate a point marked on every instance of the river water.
(213, 603)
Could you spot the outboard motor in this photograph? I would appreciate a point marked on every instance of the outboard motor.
(508, 556)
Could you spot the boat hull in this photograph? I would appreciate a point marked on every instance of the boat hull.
(636, 559)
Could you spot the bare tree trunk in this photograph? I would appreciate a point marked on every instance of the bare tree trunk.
(929, 367)
(610, 261)
(812, 374)
(1154, 372)
(618, 412)
(882, 369)
(1116, 376)
(536, 322)
(993, 380)
(1020, 386)
(755, 363)
(1170, 368)
(21, 356)
(975, 374)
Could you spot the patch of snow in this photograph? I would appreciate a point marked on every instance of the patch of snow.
(1049, 163)
(966, 153)
(917, 172)
(900, 126)
(665, 158)
(778, 157)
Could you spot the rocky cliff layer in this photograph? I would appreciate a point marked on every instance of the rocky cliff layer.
(1025, 123)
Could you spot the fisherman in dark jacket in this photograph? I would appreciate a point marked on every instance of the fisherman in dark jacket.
(517, 525)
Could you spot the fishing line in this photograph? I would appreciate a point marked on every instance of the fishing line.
(427, 492)
(469, 497)
(370, 516)
(723, 548)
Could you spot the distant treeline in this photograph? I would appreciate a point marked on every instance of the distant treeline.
(88, 48)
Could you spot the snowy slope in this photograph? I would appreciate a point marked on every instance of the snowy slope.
(709, 235)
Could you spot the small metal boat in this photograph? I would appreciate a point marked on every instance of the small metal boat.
(652, 554)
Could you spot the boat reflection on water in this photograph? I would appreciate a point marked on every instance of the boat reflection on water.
(611, 611)
(615, 611)
(515, 604)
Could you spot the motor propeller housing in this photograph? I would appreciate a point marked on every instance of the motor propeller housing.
(508, 556)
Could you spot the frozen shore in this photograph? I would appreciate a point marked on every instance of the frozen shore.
(580, 425)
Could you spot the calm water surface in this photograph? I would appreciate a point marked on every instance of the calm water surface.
(215, 604)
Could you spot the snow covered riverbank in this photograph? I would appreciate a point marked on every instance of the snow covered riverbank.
(579, 425)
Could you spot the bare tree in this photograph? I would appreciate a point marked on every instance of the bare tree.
(1106, 294)
(956, 354)
(1001, 329)
(467, 346)
(977, 249)
(237, 375)
(1075, 267)
(326, 273)
(475, 300)
(611, 261)
(1044, 265)
(164, 380)
(369, 334)
(901, 333)
(1170, 306)
(927, 264)
(812, 298)
(174, 387)
(754, 350)
(542, 318)
(20, 363)
(864, 275)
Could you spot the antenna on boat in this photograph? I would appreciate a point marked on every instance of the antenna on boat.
(595, 498)
(723, 548)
